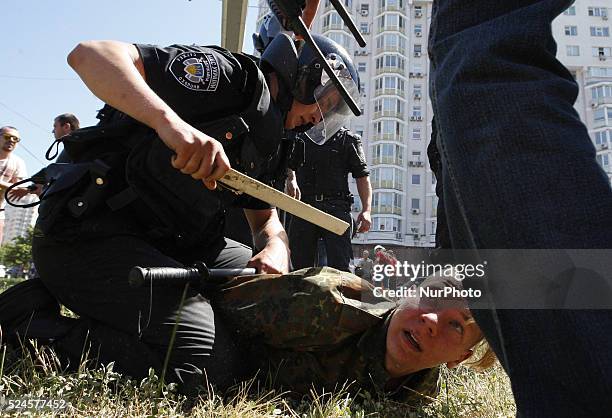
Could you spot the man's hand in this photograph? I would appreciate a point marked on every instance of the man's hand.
(274, 258)
(19, 193)
(292, 188)
(269, 235)
(197, 154)
(364, 220)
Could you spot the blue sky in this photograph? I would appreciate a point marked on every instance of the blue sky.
(36, 84)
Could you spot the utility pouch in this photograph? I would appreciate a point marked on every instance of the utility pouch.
(72, 188)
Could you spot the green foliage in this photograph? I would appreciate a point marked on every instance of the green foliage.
(19, 251)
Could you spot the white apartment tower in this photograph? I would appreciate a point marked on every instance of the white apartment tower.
(582, 33)
(18, 220)
(396, 121)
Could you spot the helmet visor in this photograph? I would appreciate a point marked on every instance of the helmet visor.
(335, 113)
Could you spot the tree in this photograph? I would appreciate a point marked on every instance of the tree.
(18, 252)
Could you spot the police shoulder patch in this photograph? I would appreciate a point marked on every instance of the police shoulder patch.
(198, 71)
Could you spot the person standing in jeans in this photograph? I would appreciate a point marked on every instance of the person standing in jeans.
(519, 172)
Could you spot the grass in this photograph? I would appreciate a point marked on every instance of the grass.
(36, 373)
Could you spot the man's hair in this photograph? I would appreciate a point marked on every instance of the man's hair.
(9, 127)
(483, 357)
(70, 119)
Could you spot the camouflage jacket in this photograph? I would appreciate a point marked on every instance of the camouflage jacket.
(318, 329)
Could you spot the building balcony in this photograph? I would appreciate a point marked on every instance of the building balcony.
(387, 210)
(601, 101)
(393, 8)
(336, 26)
(391, 70)
(388, 160)
(390, 28)
(388, 114)
(391, 48)
(388, 137)
(388, 92)
(387, 184)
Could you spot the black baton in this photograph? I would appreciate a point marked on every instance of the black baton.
(196, 274)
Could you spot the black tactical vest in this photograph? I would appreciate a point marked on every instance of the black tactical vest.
(123, 167)
(323, 171)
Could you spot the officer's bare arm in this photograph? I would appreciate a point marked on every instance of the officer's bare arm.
(114, 72)
(269, 236)
(364, 188)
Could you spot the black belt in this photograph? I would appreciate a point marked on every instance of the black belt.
(319, 197)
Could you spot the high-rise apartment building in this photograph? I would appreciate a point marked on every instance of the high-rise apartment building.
(396, 120)
(18, 220)
(582, 33)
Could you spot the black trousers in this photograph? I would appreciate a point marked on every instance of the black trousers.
(303, 237)
(132, 327)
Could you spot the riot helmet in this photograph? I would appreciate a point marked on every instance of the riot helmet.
(269, 29)
(302, 78)
(313, 85)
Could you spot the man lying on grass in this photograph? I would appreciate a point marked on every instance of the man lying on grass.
(319, 329)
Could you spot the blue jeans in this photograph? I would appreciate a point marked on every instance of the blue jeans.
(519, 172)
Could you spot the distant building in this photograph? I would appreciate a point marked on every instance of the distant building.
(18, 220)
(582, 33)
(397, 113)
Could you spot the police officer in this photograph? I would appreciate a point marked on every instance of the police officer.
(319, 177)
(323, 157)
(176, 119)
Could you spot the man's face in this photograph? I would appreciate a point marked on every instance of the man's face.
(366, 254)
(421, 336)
(10, 138)
(60, 130)
(301, 114)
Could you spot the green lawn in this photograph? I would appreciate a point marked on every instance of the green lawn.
(103, 392)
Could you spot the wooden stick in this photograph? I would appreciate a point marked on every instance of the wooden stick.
(242, 183)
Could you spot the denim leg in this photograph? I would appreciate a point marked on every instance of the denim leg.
(520, 172)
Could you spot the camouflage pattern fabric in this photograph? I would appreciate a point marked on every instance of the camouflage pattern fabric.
(318, 328)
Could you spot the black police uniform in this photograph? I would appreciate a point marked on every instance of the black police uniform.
(122, 204)
(322, 176)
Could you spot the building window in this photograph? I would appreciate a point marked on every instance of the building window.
(361, 67)
(601, 138)
(600, 71)
(418, 49)
(602, 51)
(364, 28)
(415, 203)
(418, 29)
(570, 11)
(416, 179)
(418, 11)
(600, 31)
(571, 30)
(598, 11)
(364, 9)
(417, 91)
(599, 116)
(601, 91)
(416, 134)
(416, 111)
(572, 50)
